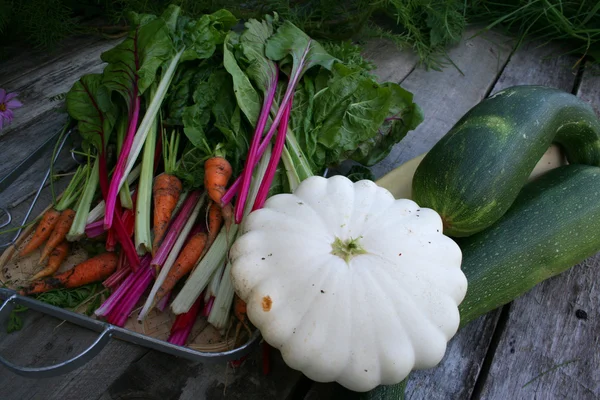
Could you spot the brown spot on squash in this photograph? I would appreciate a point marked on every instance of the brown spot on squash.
(267, 303)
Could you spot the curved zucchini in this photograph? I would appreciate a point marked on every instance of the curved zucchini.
(553, 224)
(474, 173)
(399, 180)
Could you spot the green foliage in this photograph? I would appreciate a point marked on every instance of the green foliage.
(359, 172)
(15, 322)
(427, 26)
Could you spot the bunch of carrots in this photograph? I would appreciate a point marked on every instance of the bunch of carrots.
(112, 268)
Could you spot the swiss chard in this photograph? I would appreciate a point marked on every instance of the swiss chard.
(131, 69)
(192, 40)
(265, 74)
(88, 102)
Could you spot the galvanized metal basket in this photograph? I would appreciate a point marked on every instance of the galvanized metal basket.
(206, 346)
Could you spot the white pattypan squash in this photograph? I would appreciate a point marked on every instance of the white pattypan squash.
(350, 284)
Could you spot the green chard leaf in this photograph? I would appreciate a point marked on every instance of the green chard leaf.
(347, 113)
(196, 117)
(202, 36)
(247, 97)
(359, 172)
(181, 95)
(260, 69)
(291, 44)
(132, 64)
(302, 114)
(402, 116)
(213, 124)
(88, 102)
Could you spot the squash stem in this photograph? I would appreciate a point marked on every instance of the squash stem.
(347, 249)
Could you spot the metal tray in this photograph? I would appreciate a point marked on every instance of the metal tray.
(106, 331)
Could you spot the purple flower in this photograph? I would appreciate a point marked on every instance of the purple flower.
(8, 103)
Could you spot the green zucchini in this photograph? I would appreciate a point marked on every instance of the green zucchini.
(553, 224)
(475, 172)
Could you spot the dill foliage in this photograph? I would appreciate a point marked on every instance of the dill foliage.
(427, 26)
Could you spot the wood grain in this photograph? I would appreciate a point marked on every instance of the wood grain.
(38, 87)
(44, 341)
(549, 349)
(30, 61)
(589, 90)
(392, 63)
(536, 64)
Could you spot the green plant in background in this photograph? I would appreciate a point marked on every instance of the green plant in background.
(577, 21)
(427, 26)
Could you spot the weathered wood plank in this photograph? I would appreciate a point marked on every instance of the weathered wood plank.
(552, 333)
(456, 375)
(44, 341)
(534, 64)
(392, 63)
(549, 349)
(37, 87)
(446, 96)
(34, 133)
(162, 376)
(28, 183)
(27, 62)
(589, 90)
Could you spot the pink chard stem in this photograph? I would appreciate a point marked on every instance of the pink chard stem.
(297, 72)
(253, 157)
(113, 189)
(162, 304)
(115, 300)
(94, 229)
(114, 281)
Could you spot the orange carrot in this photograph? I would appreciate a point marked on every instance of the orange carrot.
(239, 310)
(217, 172)
(59, 232)
(215, 220)
(227, 211)
(166, 191)
(58, 255)
(186, 260)
(42, 232)
(93, 270)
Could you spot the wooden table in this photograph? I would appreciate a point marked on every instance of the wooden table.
(544, 345)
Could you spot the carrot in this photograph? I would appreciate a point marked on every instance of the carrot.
(93, 270)
(215, 220)
(42, 232)
(58, 255)
(166, 191)
(217, 172)
(227, 211)
(239, 308)
(59, 233)
(240, 312)
(186, 260)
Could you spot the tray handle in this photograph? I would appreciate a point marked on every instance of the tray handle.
(62, 367)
